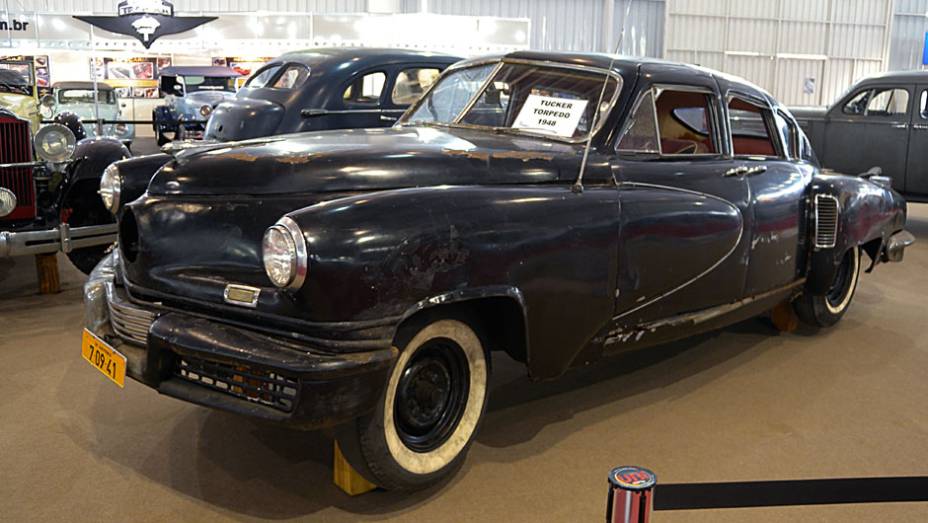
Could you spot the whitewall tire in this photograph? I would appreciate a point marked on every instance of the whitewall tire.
(429, 412)
(825, 310)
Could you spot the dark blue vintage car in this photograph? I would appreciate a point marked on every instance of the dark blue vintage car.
(318, 89)
(190, 95)
(558, 207)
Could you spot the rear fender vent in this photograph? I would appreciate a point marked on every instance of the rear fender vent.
(826, 221)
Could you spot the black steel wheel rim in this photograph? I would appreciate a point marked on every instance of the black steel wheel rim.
(842, 282)
(431, 395)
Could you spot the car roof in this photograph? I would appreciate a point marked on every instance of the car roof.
(199, 70)
(350, 59)
(902, 76)
(101, 86)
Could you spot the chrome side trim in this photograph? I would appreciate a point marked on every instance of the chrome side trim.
(714, 266)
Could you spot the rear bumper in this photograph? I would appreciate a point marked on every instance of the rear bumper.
(895, 247)
(62, 238)
(230, 368)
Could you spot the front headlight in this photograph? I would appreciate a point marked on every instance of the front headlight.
(284, 253)
(55, 143)
(7, 202)
(110, 186)
(206, 110)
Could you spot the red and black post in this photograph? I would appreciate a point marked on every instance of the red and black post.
(631, 494)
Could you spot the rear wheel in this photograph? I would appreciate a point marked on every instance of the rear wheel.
(428, 414)
(824, 310)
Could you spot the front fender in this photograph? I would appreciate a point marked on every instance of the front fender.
(868, 214)
(93, 155)
(387, 253)
(136, 174)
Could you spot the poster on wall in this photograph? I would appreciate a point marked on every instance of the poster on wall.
(40, 70)
(132, 77)
(243, 65)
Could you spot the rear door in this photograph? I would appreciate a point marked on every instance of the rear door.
(363, 99)
(765, 151)
(916, 173)
(870, 128)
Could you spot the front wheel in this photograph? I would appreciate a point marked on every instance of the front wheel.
(428, 414)
(825, 310)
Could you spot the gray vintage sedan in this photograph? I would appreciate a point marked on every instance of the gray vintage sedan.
(881, 122)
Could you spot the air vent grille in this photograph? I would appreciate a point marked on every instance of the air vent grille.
(826, 221)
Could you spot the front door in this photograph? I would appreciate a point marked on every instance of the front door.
(686, 220)
(916, 173)
(870, 129)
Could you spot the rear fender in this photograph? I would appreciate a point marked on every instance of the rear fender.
(867, 215)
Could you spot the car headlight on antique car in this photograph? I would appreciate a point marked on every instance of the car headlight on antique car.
(55, 143)
(7, 202)
(284, 253)
(206, 110)
(110, 187)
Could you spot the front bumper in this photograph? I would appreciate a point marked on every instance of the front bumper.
(62, 238)
(230, 368)
(895, 247)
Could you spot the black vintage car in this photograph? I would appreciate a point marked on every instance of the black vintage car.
(359, 279)
(48, 189)
(327, 88)
(879, 123)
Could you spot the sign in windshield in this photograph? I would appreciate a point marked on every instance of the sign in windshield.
(522, 98)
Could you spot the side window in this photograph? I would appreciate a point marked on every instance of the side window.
(262, 77)
(365, 90)
(641, 135)
(857, 104)
(788, 134)
(751, 133)
(412, 83)
(676, 123)
(888, 102)
(923, 111)
(684, 123)
(292, 77)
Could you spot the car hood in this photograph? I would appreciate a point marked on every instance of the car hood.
(211, 98)
(22, 106)
(365, 160)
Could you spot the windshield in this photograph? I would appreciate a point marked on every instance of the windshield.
(519, 98)
(85, 96)
(16, 78)
(207, 83)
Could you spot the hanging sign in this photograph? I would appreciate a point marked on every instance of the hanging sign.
(146, 20)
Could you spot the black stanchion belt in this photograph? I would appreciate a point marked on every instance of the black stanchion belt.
(690, 496)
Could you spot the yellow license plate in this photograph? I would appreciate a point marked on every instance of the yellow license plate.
(104, 358)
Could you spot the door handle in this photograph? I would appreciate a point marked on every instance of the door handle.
(386, 118)
(920, 127)
(900, 126)
(741, 170)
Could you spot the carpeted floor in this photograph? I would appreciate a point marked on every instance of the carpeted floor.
(745, 403)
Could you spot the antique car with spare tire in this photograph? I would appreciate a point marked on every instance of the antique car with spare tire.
(558, 207)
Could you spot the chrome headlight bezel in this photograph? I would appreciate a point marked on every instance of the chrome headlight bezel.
(111, 187)
(288, 231)
(8, 202)
(55, 132)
